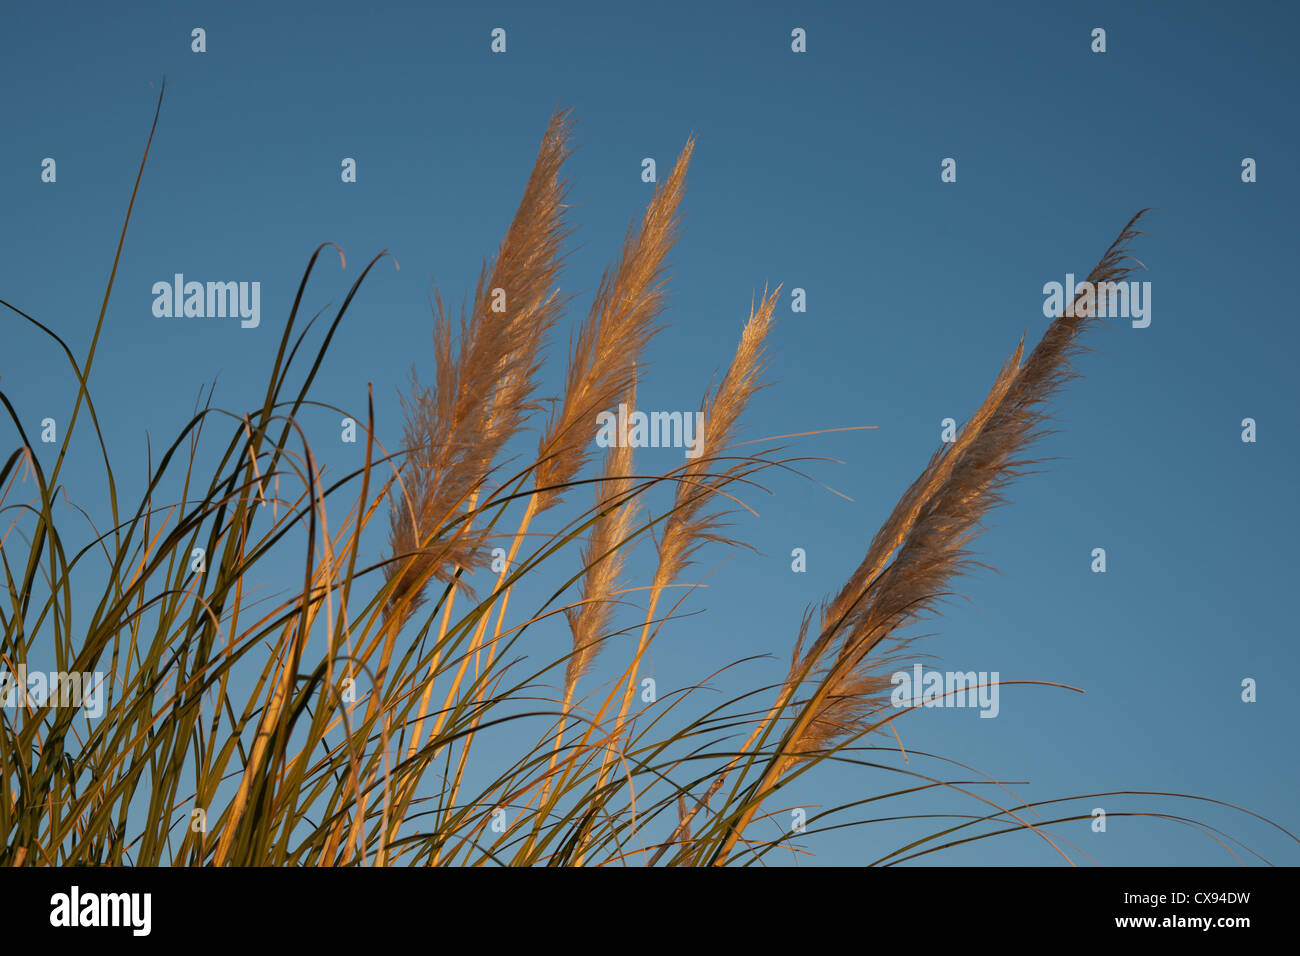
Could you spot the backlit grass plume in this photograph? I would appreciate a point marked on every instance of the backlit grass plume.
(614, 336)
(455, 428)
(281, 683)
(923, 544)
(603, 557)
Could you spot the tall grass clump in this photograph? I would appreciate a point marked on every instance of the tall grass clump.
(361, 718)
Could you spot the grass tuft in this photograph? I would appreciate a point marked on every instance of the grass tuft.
(336, 724)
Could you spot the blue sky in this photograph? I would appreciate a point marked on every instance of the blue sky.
(819, 171)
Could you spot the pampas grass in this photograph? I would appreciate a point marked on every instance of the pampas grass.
(337, 725)
(455, 429)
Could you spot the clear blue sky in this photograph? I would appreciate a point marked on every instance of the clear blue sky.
(819, 171)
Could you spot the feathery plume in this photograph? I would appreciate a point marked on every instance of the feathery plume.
(930, 528)
(690, 526)
(923, 544)
(612, 338)
(455, 428)
(603, 558)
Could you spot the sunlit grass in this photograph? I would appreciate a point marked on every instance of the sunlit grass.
(338, 725)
